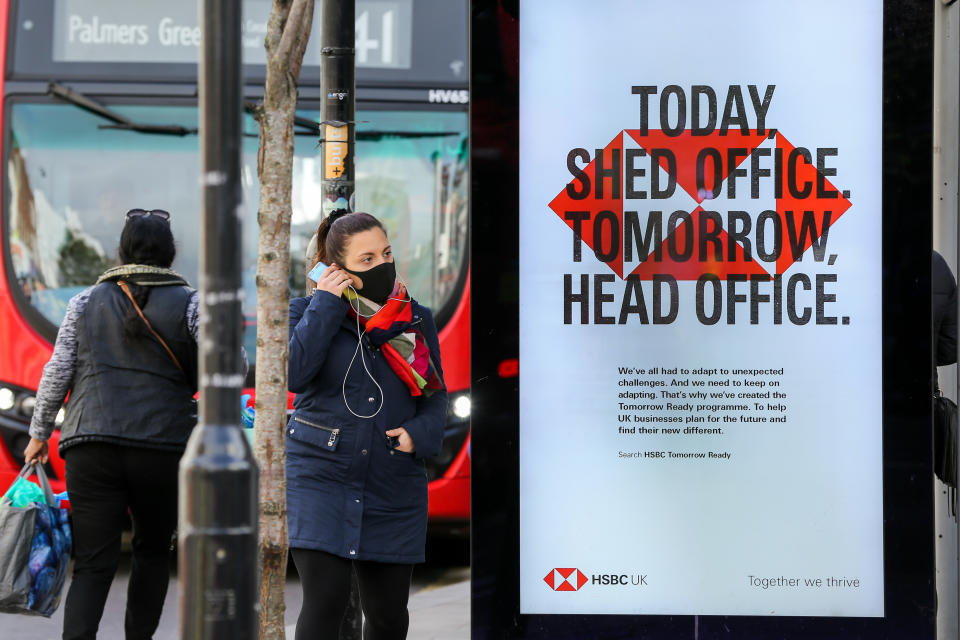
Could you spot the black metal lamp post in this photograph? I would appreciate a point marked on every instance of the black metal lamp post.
(218, 474)
(338, 109)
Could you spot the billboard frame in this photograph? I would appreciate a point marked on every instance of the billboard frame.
(910, 599)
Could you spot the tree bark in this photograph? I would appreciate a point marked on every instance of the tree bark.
(288, 31)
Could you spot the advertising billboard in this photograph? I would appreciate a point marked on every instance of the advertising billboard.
(700, 305)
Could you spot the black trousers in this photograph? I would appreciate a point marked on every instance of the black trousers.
(104, 481)
(325, 580)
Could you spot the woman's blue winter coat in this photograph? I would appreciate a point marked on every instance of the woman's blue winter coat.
(349, 492)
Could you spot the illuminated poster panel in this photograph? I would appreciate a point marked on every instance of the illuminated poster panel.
(700, 308)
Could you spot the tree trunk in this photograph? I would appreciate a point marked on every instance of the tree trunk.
(288, 31)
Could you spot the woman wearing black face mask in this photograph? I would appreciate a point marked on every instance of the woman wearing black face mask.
(370, 406)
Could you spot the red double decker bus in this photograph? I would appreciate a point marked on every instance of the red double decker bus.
(100, 115)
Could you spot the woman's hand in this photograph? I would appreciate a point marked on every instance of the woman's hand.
(404, 441)
(334, 280)
(37, 450)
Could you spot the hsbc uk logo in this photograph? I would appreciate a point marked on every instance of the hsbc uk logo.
(572, 579)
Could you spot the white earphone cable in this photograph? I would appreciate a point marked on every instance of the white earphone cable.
(363, 360)
(343, 388)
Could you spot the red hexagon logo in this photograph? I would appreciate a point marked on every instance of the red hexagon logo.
(568, 579)
(797, 212)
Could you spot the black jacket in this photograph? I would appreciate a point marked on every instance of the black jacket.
(944, 312)
(349, 492)
(129, 390)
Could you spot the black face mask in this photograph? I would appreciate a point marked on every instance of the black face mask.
(377, 282)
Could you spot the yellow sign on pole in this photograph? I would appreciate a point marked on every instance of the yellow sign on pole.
(335, 151)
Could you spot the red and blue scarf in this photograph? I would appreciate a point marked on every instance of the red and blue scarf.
(400, 338)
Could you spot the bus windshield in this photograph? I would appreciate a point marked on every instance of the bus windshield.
(70, 180)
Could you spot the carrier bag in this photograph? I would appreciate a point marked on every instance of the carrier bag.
(35, 543)
(945, 445)
(247, 417)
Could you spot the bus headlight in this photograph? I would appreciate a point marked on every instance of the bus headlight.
(455, 434)
(27, 405)
(461, 406)
(7, 399)
(19, 404)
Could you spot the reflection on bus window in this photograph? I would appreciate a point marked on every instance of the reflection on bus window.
(71, 181)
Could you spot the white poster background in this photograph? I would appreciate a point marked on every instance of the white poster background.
(796, 501)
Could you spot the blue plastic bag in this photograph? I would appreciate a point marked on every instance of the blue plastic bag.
(247, 416)
(42, 554)
(43, 586)
(45, 519)
(60, 543)
(67, 534)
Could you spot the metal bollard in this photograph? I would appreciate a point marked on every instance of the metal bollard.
(218, 536)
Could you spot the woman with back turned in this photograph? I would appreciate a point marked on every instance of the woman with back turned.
(370, 406)
(127, 354)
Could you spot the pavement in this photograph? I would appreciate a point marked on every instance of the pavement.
(439, 610)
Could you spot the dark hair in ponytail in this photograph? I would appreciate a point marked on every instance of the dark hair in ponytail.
(144, 240)
(336, 229)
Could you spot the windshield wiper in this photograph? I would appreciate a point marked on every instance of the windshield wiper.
(120, 122)
(308, 126)
(312, 128)
(379, 135)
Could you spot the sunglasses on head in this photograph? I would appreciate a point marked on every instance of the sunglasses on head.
(143, 213)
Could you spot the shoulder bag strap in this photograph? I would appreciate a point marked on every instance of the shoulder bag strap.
(126, 290)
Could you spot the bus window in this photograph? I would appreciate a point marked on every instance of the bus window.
(70, 180)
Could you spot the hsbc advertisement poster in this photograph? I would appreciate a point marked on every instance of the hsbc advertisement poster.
(700, 307)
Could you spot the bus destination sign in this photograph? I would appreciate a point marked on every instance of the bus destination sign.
(169, 32)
